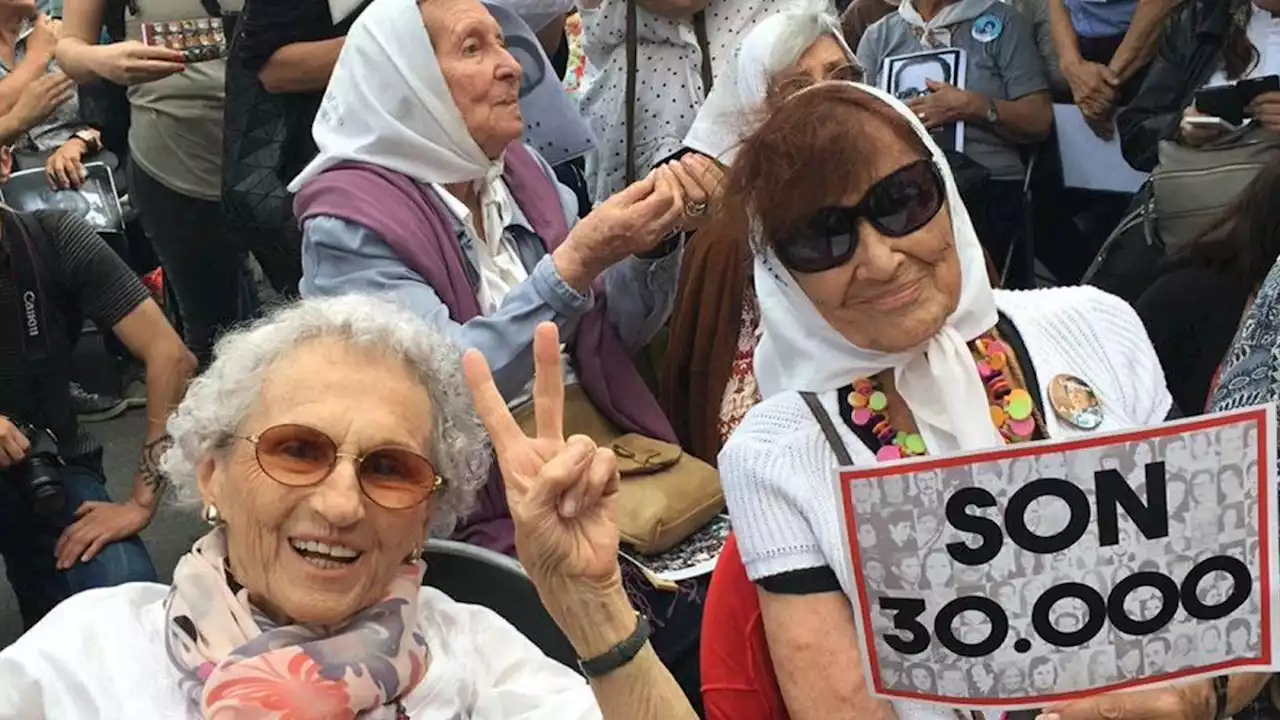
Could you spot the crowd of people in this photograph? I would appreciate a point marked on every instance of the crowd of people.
(571, 281)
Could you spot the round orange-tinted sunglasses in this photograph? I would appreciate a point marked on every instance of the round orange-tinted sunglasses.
(300, 456)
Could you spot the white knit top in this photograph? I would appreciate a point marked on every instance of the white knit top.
(778, 470)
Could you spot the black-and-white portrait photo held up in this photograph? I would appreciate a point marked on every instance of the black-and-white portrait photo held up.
(1037, 574)
(907, 77)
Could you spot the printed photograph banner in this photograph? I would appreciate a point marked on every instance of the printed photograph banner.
(1038, 574)
(95, 201)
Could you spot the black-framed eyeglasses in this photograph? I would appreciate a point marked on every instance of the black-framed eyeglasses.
(300, 456)
(898, 204)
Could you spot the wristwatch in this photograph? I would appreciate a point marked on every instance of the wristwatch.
(992, 116)
(90, 138)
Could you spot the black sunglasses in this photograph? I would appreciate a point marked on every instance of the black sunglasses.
(898, 204)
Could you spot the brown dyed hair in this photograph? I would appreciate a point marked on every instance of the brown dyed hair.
(808, 153)
(1238, 54)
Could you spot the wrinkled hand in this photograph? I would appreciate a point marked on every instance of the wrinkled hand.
(41, 97)
(97, 525)
(1094, 87)
(1187, 701)
(946, 104)
(13, 444)
(64, 169)
(562, 494)
(700, 179)
(132, 63)
(1266, 110)
(634, 220)
(1196, 135)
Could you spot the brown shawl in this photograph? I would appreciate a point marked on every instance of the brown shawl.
(703, 339)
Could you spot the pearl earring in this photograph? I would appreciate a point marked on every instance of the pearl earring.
(211, 516)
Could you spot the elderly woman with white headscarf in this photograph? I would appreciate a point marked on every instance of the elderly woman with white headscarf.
(323, 444)
(706, 383)
(882, 339)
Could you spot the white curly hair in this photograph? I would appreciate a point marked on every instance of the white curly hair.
(217, 401)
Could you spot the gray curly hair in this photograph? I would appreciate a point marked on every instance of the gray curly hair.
(218, 400)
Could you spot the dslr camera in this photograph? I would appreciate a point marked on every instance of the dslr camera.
(37, 476)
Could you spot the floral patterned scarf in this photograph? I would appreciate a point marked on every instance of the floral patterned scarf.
(235, 663)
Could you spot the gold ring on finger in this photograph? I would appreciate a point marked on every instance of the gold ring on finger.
(695, 209)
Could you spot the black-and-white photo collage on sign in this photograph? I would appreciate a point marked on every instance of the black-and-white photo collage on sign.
(1042, 573)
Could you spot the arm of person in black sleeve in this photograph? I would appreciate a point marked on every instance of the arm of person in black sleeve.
(1156, 110)
(109, 293)
(291, 44)
(812, 635)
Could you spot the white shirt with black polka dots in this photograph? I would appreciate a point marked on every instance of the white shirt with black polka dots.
(668, 80)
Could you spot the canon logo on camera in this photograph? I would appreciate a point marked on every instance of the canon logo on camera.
(29, 305)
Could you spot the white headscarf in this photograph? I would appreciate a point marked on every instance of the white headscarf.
(388, 104)
(723, 120)
(936, 33)
(800, 351)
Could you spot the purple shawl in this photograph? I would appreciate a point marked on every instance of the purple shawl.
(409, 217)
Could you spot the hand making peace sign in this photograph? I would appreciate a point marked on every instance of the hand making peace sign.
(562, 493)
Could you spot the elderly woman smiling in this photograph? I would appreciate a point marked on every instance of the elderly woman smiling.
(871, 281)
(322, 444)
(423, 190)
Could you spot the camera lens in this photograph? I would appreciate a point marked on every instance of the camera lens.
(44, 487)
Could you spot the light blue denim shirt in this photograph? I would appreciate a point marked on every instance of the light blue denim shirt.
(340, 257)
(1101, 18)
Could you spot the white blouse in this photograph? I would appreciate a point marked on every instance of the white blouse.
(778, 468)
(668, 82)
(100, 655)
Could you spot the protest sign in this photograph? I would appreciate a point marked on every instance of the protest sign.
(1041, 573)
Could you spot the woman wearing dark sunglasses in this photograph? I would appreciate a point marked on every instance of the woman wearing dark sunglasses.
(322, 444)
(882, 339)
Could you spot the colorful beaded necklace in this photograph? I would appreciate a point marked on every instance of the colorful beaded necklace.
(1012, 410)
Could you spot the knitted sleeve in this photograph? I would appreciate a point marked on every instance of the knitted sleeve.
(1127, 347)
(778, 474)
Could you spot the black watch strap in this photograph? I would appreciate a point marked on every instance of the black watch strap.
(1220, 697)
(620, 654)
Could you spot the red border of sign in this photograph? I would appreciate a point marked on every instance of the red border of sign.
(1257, 415)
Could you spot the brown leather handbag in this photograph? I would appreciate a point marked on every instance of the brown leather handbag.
(665, 495)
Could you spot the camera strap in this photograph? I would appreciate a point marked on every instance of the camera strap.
(34, 326)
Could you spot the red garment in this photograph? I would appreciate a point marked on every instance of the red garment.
(737, 674)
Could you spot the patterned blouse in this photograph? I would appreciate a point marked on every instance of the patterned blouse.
(1250, 375)
(741, 393)
(48, 134)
